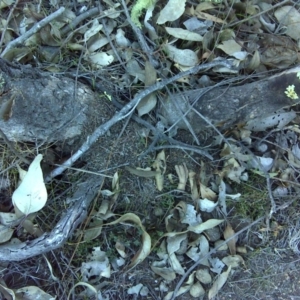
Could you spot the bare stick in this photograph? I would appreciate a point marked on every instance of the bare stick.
(21, 39)
(139, 34)
(7, 22)
(126, 111)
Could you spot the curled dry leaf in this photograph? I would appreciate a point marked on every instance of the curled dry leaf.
(175, 264)
(142, 172)
(207, 193)
(228, 233)
(182, 173)
(193, 184)
(204, 226)
(219, 282)
(160, 166)
(146, 240)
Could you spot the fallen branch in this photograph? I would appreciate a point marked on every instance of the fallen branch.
(126, 111)
(73, 217)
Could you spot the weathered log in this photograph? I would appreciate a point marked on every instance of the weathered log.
(231, 105)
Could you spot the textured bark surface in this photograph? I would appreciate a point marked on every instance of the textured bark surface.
(228, 106)
(36, 105)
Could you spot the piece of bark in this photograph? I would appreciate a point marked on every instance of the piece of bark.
(36, 105)
(228, 106)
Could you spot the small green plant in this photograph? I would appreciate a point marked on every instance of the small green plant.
(254, 200)
(137, 9)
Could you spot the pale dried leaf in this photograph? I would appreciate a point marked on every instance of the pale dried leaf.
(7, 218)
(6, 292)
(31, 195)
(32, 229)
(184, 34)
(121, 249)
(289, 16)
(206, 205)
(121, 40)
(101, 59)
(164, 272)
(175, 264)
(181, 291)
(207, 193)
(5, 233)
(96, 42)
(193, 185)
(95, 28)
(183, 174)
(197, 290)
(185, 57)
(218, 284)
(190, 215)
(147, 173)
(228, 233)
(160, 166)
(147, 104)
(230, 46)
(94, 230)
(254, 61)
(216, 265)
(6, 3)
(89, 286)
(146, 240)
(172, 11)
(135, 289)
(203, 276)
(206, 16)
(50, 269)
(232, 261)
(204, 226)
(97, 266)
(32, 292)
(173, 243)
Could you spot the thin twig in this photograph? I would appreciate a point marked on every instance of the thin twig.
(7, 22)
(38, 26)
(140, 37)
(126, 111)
